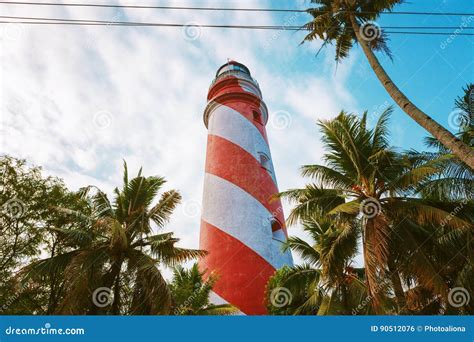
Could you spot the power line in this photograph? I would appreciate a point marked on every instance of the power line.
(77, 4)
(142, 24)
(275, 27)
(153, 7)
(34, 20)
(82, 22)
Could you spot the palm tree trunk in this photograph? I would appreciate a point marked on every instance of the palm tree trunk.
(461, 150)
(108, 281)
(116, 303)
(370, 278)
(397, 287)
(52, 302)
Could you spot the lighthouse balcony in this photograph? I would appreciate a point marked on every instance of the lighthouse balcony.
(236, 73)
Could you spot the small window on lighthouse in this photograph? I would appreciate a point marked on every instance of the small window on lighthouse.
(277, 231)
(264, 161)
(257, 117)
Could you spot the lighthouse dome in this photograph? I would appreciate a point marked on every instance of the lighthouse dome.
(232, 66)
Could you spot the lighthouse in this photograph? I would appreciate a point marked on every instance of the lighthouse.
(242, 223)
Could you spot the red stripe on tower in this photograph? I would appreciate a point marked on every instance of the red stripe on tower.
(242, 226)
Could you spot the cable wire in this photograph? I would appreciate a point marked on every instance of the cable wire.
(77, 4)
(87, 22)
(41, 20)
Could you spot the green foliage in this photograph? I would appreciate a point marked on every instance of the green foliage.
(191, 292)
(299, 289)
(369, 193)
(456, 181)
(91, 243)
(332, 24)
(29, 226)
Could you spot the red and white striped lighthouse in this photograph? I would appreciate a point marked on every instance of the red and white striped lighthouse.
(242, 227)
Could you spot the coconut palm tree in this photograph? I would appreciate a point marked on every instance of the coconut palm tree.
(326, 284)
(446, 247)
(450, 250)
(345, 22)
(456, 179)
(191, 292)
(112, 262)
(366, 180)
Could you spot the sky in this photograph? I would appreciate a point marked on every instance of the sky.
(78, 100)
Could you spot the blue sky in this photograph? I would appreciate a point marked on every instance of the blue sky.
(430, 70)
(79, 100)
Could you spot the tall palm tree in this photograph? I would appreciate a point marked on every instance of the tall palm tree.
(112, 262)
(346, 22)
(366, 180)
(191, 292)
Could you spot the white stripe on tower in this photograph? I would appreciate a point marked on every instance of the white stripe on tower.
(229, 125)
(224, 197)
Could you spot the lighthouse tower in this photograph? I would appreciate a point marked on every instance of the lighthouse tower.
(242, 226)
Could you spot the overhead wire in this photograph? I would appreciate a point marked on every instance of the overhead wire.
(199, 8)
(90, 22)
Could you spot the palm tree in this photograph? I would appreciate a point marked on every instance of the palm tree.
(346, 22)
(326, 284)
(456, 180)
(191, 294)
(367, 185)
(451, 251)
(112, 262)
(465, 105)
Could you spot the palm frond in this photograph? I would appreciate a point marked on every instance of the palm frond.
(298, 245)
(311, 199)
(45, 267)
(380, 135)
(326, 176)
(163, 248)
(351, 208)
(161, 212)
(152, 294)
(425, 213)
(73, 236)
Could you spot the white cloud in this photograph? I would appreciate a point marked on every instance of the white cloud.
(148, 87)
